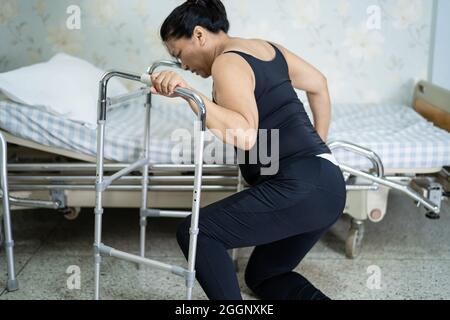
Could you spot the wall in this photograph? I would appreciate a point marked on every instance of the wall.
(362, 65)
(440, 73)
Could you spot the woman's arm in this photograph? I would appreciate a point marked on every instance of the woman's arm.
(307, 78)
(234, 116)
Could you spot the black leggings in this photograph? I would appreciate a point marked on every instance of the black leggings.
(283, 217)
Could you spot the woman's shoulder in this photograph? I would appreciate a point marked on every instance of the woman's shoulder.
(252, 46)
(228, 59)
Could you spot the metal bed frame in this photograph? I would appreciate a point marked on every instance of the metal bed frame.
(431, 201)
(56, 178)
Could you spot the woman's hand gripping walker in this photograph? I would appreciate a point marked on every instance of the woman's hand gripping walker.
(171, 85)
(164, 83)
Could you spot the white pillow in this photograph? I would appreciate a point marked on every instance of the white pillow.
(65, 85)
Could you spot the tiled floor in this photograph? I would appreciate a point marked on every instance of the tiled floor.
(411, 252)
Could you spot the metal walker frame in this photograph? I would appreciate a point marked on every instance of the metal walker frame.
(103, 183)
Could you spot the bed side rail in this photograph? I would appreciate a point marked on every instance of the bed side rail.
(380, 179)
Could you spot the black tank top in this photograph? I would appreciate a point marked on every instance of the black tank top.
(279, 108)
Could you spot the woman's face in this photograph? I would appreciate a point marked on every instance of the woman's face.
(192, 53)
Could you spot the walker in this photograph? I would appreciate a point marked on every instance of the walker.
(102, 183)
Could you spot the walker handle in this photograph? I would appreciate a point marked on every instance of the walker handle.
(186, 93)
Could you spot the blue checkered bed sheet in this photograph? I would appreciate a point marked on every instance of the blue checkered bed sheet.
(400, 136)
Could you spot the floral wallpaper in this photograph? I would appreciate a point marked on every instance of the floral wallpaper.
(371, 51)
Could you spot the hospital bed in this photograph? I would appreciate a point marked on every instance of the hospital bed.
(54, 160)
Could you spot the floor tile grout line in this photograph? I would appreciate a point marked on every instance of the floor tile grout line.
(19, 272)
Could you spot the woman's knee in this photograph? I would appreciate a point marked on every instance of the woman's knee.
(251, 280)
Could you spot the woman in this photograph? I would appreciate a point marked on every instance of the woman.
(284, 214)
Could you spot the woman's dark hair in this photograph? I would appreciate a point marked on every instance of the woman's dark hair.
(209, 14)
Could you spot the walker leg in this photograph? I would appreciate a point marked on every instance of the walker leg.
(144, 204)
(97, 256)
(12, 284)
(143, 230)
(98, 208)
(190, 278)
